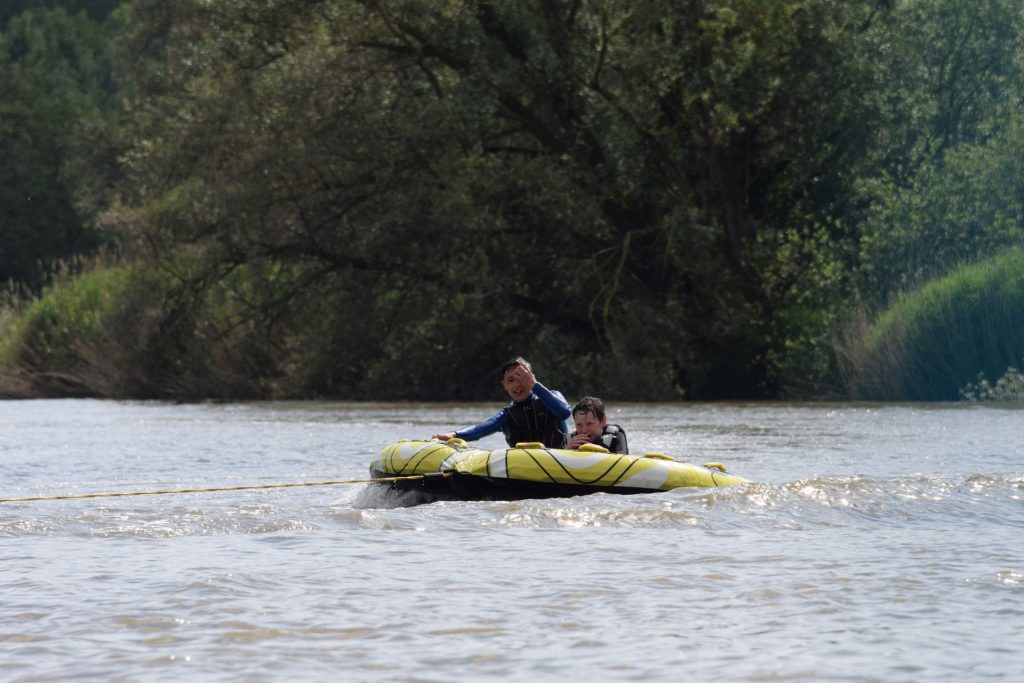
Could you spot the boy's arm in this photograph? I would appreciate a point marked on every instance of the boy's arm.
(553, 401)
(489, 426)
(576, 440)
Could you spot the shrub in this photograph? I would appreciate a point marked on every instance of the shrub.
(933, 341)
(1009, 387)
(67, 342)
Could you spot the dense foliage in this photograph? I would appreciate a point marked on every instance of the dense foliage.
(54, 86)
(652, 199)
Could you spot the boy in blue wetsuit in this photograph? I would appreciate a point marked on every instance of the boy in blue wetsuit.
(535, 414)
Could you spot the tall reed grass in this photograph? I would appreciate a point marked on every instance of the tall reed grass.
(933, 342)
(131, 331)
(58, 344)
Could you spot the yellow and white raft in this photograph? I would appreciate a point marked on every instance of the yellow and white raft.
(455, 471)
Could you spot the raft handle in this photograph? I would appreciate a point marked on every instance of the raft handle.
(715, 465)
(592, 448)
(658, 456)
(529, 444)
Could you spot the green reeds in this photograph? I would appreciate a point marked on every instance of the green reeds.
(49, 345)
(935, 341)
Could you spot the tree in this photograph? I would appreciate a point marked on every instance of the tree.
(586, 180)
(946, 193)
(97, 10)
(53, 80)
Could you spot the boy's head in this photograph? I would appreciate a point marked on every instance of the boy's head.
(589, 417)
(517, 378)
(512, 364)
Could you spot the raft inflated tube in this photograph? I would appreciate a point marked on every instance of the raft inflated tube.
(532, 471)
(414, 457)
(651, 472)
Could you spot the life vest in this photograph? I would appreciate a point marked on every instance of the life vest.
(531, 421)
(613, 438)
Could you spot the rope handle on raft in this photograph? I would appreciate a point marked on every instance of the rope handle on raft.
(595, 448)
(586, 447)
(658, 456)
(118, 494)
(454, 441)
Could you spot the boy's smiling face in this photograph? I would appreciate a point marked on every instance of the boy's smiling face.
(588, 425)
(518, 382)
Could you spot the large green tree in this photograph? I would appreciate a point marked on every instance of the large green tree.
(54, 87)
(361, 198)
(586, 181)
(946, 190)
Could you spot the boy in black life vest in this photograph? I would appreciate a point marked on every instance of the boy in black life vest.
(592, 427)
(536, 413)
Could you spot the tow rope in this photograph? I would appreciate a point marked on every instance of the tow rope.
(250, 487)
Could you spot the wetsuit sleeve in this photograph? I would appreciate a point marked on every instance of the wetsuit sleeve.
(493, 424)
(553, 401)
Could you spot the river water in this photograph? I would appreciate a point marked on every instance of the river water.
(875, 543)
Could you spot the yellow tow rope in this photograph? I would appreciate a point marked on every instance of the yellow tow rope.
(116, 494)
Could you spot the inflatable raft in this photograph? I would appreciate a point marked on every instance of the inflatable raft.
(453, 470)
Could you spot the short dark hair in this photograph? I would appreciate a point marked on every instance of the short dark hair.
(514, 362)
(590, 404)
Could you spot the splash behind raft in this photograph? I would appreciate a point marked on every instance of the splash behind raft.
(457, 471)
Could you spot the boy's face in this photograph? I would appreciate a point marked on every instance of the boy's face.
(588, 425)
(517, 383)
